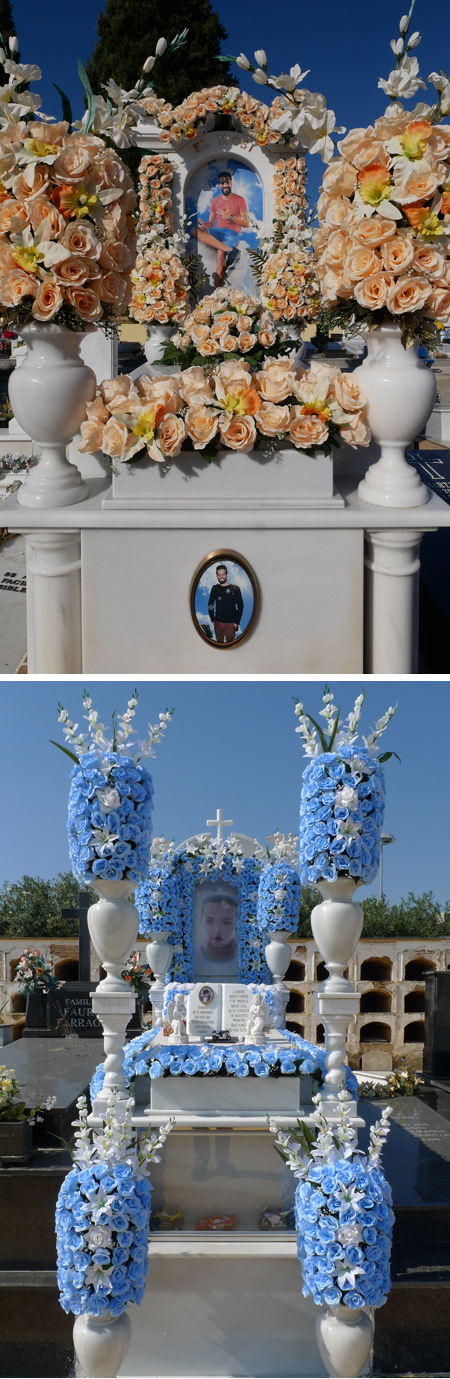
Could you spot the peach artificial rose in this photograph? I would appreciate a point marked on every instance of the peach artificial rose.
(347, 392)
(339, 178)
(226, 318)
(361, 262)
(237, 433)
(113, 289)
(340, 214)
(271, 419)
(267, 337)
(228, 343)
(6, 257)
(373, 232)
(81, 239)
(114, 221)
(85, 302)
(114, 390)
(115, 437)
(91, 436)
(73, 272)
(275, 384)
(337, 247)
(47, 302)
(234, 373)
(21, 187)
(116, 257)
(201, 425)
(244, 323)
(48, 133)
(72, 162)
(218, 330)
(199, 333)
(208, 347)
(96, 410)
(15, 285)
(160, 391)
(439, 303)
(201, 314)
(306, 429)
(171, 434)
(408, 294)
(397, 254)
(40, 209)
(369, 150)
(372, 292)
(356, 432)
(390, 125)
(419, 186)
(427, 260)
(9, 210)
(246, 341)
(352, 140)
(194, 386)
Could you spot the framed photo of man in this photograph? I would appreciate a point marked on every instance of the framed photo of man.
(224, 208)
(224, 599)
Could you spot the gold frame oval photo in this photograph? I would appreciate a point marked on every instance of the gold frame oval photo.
(220, 558)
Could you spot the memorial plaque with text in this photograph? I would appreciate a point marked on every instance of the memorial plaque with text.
(204, 1010)
(236, 1005)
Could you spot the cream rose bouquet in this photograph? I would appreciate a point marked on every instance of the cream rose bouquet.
(228, 406)
(66, 233)
(227, 324)
(382, 248)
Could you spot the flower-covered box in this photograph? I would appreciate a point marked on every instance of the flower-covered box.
(287, 476)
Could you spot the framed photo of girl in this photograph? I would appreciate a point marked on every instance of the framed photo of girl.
(224, 599)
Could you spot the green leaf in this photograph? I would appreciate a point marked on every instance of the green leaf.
(82, 73)
(387, 755)
(66, 751)
(333, 735)
(66, 106)
(322, 737)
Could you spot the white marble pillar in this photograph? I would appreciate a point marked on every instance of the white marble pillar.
(53, 602)
(392, 601)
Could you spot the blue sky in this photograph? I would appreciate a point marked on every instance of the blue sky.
(230, 745)
(345, 46)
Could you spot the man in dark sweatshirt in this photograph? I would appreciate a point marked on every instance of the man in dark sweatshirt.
(225, 606)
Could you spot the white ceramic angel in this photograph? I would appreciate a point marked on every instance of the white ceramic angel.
(176, 1015)
(258, 1020)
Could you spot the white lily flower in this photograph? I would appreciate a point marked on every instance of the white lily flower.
(160, 47)
(13, 43)
(260, 57)
(148, 64)
(260, 76)
(404, 81)
(397, 45)
(289, 81)
(413, 41)
(404, 24)
(242, 61)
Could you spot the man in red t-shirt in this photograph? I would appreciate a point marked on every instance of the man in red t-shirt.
(229, 216)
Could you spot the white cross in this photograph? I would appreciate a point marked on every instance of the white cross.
(220, 823)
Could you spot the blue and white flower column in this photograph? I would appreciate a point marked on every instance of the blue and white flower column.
(158, 903)
(341, 816)
(110, 833)
(277, 914)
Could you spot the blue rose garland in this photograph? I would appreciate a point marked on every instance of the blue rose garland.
(341, 816)
(158, 902)
(110, 818)
(278, 898)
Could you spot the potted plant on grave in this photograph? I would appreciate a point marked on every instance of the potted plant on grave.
(138, 976)
(344, 1220)
(35, 976)
(16, 1124)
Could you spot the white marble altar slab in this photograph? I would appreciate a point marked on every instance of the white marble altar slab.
(232, 477)
(136, 603)
(209, 1096)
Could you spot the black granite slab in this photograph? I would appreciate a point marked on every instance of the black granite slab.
(53, 1067)
(416, 1158)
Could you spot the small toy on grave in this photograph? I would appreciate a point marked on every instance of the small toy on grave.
(221, 1036)
(166, 1221)
(215, 1223)
(272, 1219)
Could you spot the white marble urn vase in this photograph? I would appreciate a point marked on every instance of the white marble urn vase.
(48, 397)
(400, 393)
(344, 1338)
(101, 1343)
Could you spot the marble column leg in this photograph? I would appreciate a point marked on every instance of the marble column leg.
(392, 601)
(54, 602)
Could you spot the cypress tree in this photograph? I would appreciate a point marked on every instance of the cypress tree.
(7, 29)
(128, 32)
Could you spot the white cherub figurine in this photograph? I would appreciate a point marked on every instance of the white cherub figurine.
(176, 1014)
(258, 1020)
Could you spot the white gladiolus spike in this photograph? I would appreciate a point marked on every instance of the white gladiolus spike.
(413, 41)
(404, 24)
(160, 47)
(13, 43)
(148, 64)
(242, 61)
(260, 76)
(397, 45)
(260, 57)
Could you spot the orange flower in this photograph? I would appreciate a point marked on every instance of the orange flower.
(374, 184)
(414, 139)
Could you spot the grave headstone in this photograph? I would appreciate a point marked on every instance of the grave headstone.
(436, 1052)
(204, 1011)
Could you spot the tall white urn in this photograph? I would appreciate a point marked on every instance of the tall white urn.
(113, 925)
(337, 927)
(400, 395)
(48, 396)
(159, 335)
(101, 1343)
(278, 953)
(344, 1337)
(159, 956)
